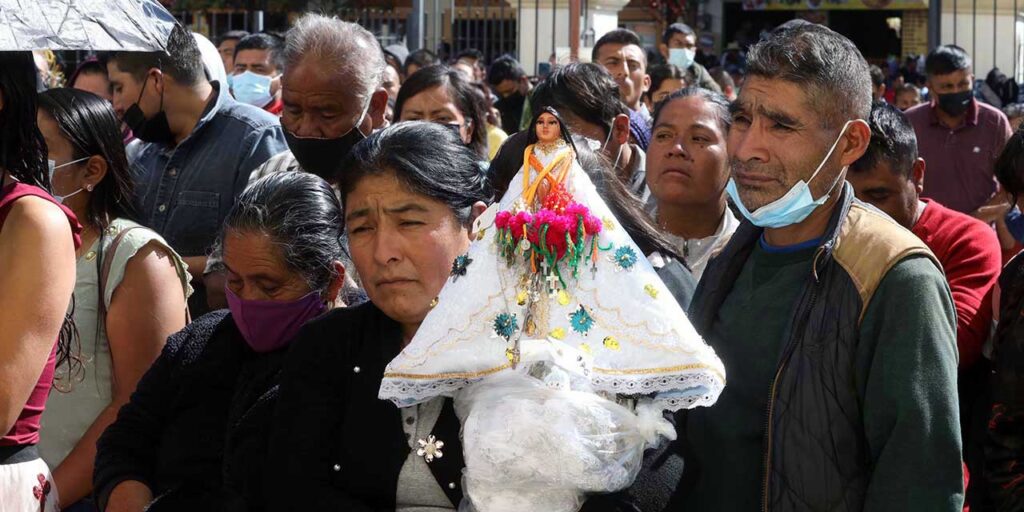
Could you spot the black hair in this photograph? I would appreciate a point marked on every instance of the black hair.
(421, 58)
(585, 90)
(722, 77)
(23, 152)
(715, 100)
(618, 36)
(892, 141)
(625, 206)
(661, 72)
(877, 77)
(504, 68)
(676, 28)
(274, 45)
(462, 93)
(822, 62)
(229, 35)
(1009, 167)
(88, 122)
(301, 215)
(471, 53)
(531, 132)
(428, 159)
(182, 60)
(946, 59)
(905, 88)
(88, 67)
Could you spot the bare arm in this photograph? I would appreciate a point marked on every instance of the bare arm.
(37, 255)
(144, 311)
(196, 265)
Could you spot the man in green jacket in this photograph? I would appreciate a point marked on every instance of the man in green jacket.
(679, 47)
(835, 324)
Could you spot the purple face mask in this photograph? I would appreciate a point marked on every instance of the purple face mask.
(269, 325)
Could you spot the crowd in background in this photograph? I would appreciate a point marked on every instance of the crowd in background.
(210, 193)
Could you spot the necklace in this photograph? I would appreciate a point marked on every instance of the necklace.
(546, 148)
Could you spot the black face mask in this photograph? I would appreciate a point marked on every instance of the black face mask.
(154, 129)
(323, 157)
(956, 103)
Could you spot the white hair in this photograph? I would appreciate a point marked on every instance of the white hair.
(344, 48)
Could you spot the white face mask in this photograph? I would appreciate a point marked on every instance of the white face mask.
(53, 169)
(795, 205)
(682, 57)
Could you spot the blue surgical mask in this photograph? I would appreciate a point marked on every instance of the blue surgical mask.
(248, 87)
(1015, 224)
(53, 169)
(794, 206)
(682, 57)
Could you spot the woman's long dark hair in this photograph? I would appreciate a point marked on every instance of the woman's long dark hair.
(23, 155)
(428, 159)
(22, 147)
(463, 94)
(88, 122)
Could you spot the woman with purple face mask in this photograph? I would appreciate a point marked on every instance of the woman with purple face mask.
(193, 435)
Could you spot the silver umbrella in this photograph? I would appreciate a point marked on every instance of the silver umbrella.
(127, 25)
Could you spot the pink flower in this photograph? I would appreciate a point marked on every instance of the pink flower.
(592, 225)
(501, 220)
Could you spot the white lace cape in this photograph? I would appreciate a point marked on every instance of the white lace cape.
(640, 341)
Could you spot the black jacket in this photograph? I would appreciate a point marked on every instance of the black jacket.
(1004, 450)
(194, 430)
(336, 446)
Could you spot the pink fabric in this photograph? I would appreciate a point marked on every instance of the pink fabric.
(26, 428)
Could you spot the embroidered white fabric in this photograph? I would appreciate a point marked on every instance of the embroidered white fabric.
(639, 340)
(529, 446)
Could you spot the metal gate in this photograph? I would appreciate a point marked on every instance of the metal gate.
(992, 31)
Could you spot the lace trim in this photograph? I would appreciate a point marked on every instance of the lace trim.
(670, 392)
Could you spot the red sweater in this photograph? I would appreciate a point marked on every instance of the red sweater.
(970, 254)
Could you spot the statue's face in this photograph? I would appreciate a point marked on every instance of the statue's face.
(547, 128)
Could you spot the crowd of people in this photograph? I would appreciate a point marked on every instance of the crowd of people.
(244, 255)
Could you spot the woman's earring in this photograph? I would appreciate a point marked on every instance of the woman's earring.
(89, 187)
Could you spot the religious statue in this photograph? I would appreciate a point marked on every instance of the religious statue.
(558, 342)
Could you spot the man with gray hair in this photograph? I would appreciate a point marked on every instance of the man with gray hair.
(332, 94)
(835, 323)
(333, 98)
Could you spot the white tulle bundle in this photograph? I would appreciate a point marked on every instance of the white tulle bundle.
(533, 447)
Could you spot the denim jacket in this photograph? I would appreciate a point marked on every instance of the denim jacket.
(185, 192)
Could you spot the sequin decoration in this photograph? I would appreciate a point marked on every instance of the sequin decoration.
(609, 224)
(625, 258)
(459, 266)
(563, 298)
(581, 321)
(505, 325)
(522, 297)
(611, 343)
(651, 290)
(557, 333)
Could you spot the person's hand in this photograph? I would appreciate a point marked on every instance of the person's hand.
(995, 209)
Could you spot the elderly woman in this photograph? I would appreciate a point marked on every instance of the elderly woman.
(411, 195)
(193, 434)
